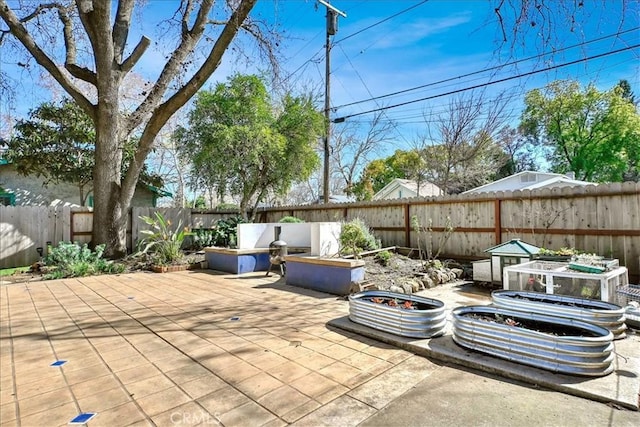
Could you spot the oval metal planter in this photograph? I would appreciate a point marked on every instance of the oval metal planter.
(426, 321)
(585, 349)
(601, 313)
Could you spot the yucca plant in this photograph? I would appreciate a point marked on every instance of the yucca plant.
(163, 243)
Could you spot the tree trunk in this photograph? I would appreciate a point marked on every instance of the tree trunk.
(109, 215)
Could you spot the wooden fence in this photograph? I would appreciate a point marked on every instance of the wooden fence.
(604, 219)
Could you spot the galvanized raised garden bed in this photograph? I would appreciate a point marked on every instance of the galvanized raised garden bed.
(399, 314)
(601, 313)
(553, 343)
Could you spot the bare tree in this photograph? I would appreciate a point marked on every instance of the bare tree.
(519, 151)
(354, 144)
(459, 142)
(93, 39)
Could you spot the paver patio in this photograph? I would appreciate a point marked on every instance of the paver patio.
(200, 348)
(188, 348)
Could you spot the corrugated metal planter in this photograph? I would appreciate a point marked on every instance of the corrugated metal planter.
(426, 318)
(553, 343)
(601, 313)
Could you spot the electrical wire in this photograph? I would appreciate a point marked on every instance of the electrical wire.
(380, 22)
(488, 69)
(553, 67)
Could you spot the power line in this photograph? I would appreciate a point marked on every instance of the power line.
(393, 124)
(487, 69)
(380, 22)
(312, 59)
(553, 67)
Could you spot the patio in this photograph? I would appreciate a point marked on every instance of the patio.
(198, 347)
(188, 347)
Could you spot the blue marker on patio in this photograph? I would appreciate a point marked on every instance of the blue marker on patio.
(83, 418)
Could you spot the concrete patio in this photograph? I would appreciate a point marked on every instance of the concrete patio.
(200, 348)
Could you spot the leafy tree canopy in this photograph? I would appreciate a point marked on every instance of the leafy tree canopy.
(57, 143)
(595, 134)
(244, 145)
(380, 172)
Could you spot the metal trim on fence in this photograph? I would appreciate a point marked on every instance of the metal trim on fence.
(574, 355)
(601, 313)
(407, 323)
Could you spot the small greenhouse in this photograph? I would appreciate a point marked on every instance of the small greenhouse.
(558, 278)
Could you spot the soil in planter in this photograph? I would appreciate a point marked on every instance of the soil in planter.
(544, 327)
(401, 303)
(555, 302)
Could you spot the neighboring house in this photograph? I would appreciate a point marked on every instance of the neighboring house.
(19, 190)
(336, 198)
(530, 180)
(403, 188)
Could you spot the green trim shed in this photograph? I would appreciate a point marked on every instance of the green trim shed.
(513, 252)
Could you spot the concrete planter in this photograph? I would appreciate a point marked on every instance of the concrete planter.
(330, 275)
(553, 343)
(370, 308)
(237, 261)
(601, 313)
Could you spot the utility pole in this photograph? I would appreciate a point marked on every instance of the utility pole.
(332, 28)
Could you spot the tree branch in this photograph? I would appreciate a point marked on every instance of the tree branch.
(164, 111)
(20, 32)
(135, 56)
(121, 28)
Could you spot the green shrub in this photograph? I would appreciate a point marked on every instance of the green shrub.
(384, 257)
(75, 260)
(202, 238)
(225, 233)
(227, 207)
(291, 219)
(355, 237)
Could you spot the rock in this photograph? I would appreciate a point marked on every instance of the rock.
(458, 272)
(410, 285)
(428, 282)
(365, 285)
(454, 265)
(396, 289)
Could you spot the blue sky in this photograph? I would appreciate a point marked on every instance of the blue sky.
(438, 40)
(434, 41)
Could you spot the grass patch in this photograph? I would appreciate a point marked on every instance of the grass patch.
(14, 270)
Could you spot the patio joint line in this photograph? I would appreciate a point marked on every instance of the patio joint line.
(13, 366)
(170, 344)
(55, 353)
(96, 352)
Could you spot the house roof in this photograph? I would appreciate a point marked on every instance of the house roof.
(550, 180)
(158, 191)
(425, 188)
(513, 247)
(558, 180)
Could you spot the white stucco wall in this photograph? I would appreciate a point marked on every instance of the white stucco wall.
(320, 237)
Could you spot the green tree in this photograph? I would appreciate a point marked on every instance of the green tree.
(380, 172)
(245, 146)
(625, 91)
(86, 43)
(57, 143)
(595, 134)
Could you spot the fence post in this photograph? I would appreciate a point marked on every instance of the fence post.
(497, 220)
(407, 225)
